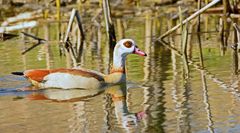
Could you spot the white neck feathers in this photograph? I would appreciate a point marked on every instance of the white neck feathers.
(119, 58)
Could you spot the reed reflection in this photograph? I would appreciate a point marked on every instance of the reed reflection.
(155, 68)
(49, 54)
(180, 96)
(205, 89)
(181, 91)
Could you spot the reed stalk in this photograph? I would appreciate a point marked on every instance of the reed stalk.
(189, 18)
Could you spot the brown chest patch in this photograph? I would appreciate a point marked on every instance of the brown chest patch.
(117, 70)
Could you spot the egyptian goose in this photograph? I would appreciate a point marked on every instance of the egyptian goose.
(84, 78)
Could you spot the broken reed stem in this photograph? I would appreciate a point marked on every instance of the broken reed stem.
(199, 16)
(109, 29)
(189, 18)
(34, 37)
(237, 29)
(184, 37)
(198, 35)
(67, 43)
(109, 24)
(58, 4)
(80, 40)
(181, 27)
(184, 50)
(180, 18)
(40, 41)
(80, 25)
(74, 53)
(71, 52)
(120, 28)
(235, 47)
(69, 25)
(226, 13)
(200, 50)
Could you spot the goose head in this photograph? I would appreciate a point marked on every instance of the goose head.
(123, 48)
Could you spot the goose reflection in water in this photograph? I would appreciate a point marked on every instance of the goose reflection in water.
(61, 95)
(118, 95)
(126, 119)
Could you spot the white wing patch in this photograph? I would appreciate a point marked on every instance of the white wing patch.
(69, 81)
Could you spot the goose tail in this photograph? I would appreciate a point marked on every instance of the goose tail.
(18, 73)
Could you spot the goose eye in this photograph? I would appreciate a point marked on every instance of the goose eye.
(128, 44)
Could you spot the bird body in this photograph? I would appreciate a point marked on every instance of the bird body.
(84, 78)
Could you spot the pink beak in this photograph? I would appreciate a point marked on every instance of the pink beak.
(139, 52)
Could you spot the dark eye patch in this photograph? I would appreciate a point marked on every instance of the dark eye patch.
(128, 44)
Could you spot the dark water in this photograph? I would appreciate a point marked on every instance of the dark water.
(159, 97)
